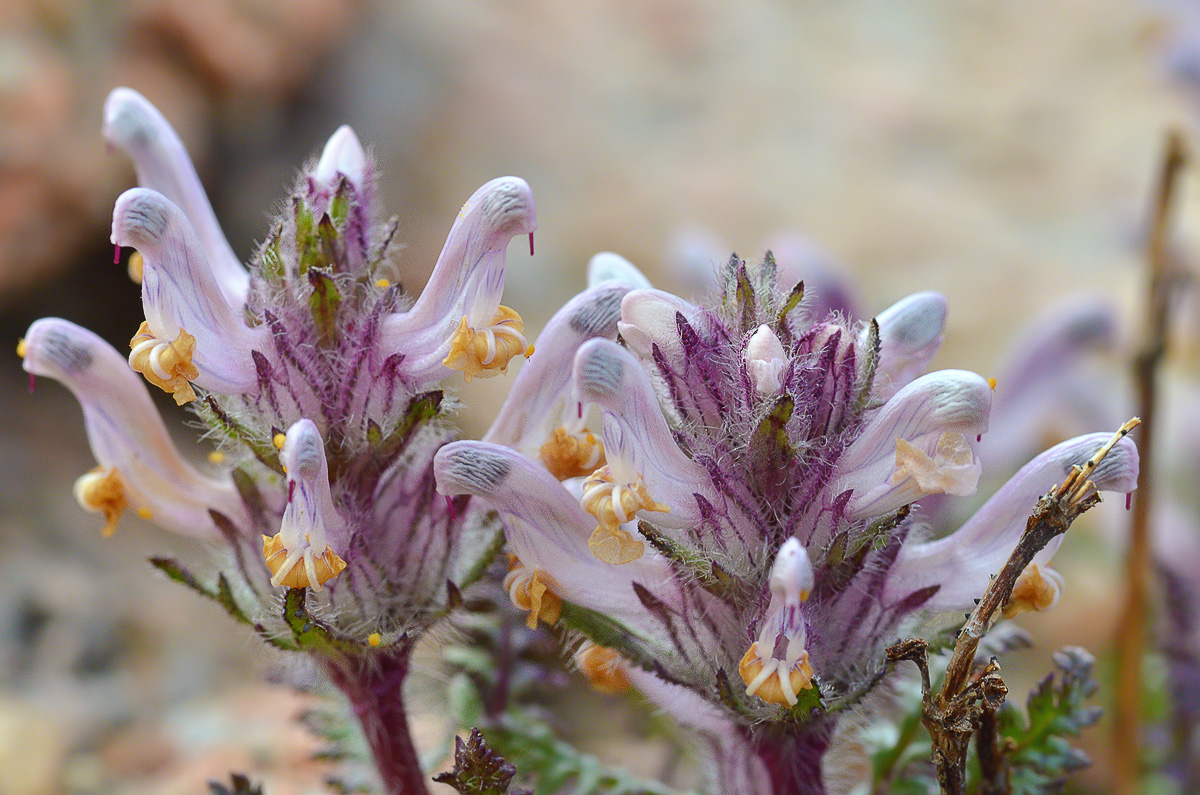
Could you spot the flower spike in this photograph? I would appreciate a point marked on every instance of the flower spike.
(139, 466)
(301, 554)
(458, 321)
(181, 300)
(162, 164)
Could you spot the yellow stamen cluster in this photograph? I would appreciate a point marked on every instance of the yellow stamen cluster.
(102, 491)
(773, 680)
(167, 365)
(949, 471)
(603, 667)
(311, 571)
(568, 456)
(486, 352)
(613, 504)
(1032, 592)
(530, 589)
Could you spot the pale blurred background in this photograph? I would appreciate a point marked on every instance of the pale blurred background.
(1002, 154)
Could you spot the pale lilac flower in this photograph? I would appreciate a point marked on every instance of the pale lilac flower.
(321, 385)
(752, 540)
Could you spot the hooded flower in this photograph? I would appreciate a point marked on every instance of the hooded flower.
(318, 380)
(751, 540)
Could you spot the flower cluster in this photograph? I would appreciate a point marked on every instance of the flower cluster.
(321, 386)
(749, 541)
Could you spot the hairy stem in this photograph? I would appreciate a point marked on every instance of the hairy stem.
(375, 687)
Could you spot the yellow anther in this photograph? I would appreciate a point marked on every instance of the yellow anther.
(530, 589)
(603, 667)
(135, 267)
(773, 680)
(102, 491)
(278, 440)
(486, 352)
(382, 284)
(216, 457)
(568, 456)
(1032, 591)
(374, 639)
(613, 504)
(992, 383)
(167, 365)
(22, 347)
(300, 574)
(145, 513)
(951, 470)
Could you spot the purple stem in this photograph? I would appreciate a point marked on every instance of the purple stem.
(375, 687)
(793, 759)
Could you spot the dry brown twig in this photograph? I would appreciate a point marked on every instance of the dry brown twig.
(1130, 635)
(966, 704)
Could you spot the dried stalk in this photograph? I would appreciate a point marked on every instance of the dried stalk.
(1131, 635)
(958, 711)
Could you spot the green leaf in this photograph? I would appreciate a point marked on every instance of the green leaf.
(324, 304)
(311, 634)
(606, 631)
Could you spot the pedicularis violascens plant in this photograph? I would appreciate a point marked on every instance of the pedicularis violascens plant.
(321, 386)
(720, 500)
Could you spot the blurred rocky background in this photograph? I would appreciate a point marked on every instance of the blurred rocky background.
(1002, 154)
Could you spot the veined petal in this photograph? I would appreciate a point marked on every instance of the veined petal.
(467, 281)
(935, 417)
(1055, 343)
(910, 334)
(648, 319)
(343, 156)
(162, 164)
(545, 527)
(126, 432)
(607, 266)
(637, 442)
(180, 293)
(962, 562)
(303, 554)
(541, 398)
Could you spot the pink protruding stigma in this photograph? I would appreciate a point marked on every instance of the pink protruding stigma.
(450, 508)
(580, 407)
(979, 438)
(116, 255)
(1128, 500)
(31, 380)
(531, 244)
(291, 489)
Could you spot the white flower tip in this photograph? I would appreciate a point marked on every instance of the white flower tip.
(303, 451)
(129, 118)
(609, 267)
(343, 155)
(792, 572)
(766, 360)
(913, 323)
(58, 349)
(648, 317)
(141, 217)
